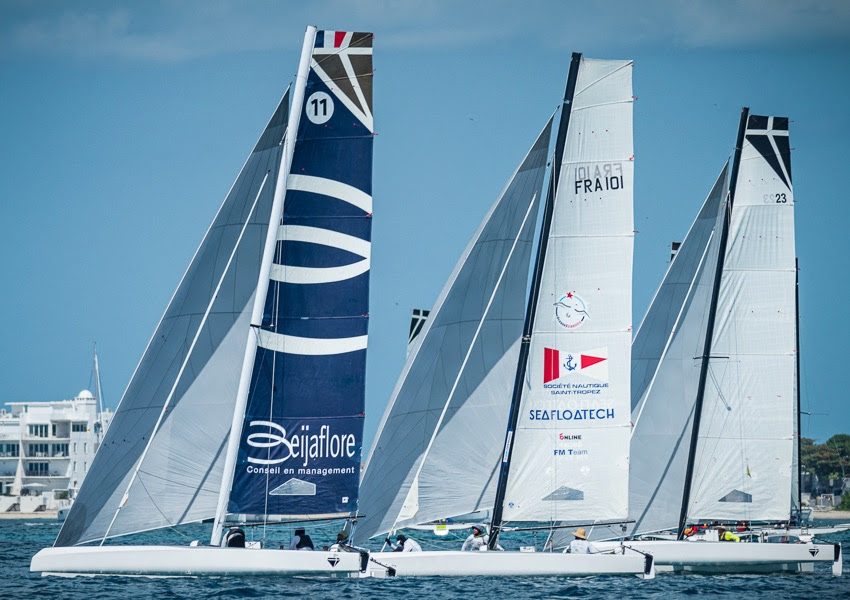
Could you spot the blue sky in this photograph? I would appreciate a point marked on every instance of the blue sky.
(124, 124)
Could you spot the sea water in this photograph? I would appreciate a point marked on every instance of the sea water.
(21, 539)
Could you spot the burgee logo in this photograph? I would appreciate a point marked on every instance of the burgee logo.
(560, 363)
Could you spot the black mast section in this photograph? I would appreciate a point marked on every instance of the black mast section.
(709, 334)
(525, 346)
(799, 424)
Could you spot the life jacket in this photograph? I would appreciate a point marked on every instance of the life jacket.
(304, 541)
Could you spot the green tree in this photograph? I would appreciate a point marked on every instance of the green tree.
(825, 460)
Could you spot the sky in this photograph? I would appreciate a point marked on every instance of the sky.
(124, 124)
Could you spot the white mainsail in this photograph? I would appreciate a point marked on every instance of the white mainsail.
(571, 445)
(437, 448)
(745, 449)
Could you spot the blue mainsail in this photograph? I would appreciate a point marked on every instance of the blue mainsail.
(300, 444)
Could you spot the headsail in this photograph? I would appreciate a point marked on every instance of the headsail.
(665, 371)
(299, 444)
(746, 435)
(571, 445)
(179, 479)
(460, 370)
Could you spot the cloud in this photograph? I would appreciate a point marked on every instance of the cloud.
(172, 31)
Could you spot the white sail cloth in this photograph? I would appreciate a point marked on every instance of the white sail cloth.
(180, 479)
(571, 449)
(746, 438)
(666, 358)
(452, 398)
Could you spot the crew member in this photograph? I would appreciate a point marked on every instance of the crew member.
(726, 536)
(342, 543)
(478, 539)
(580, 545)
(301, 541)
(405, 544)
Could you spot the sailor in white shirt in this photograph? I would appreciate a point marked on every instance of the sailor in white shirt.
(405, 544)
(580, 545)
(478, 539)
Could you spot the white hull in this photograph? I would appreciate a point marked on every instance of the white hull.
(806, 534)
(730, 557)
(183, 561)
(508, 564)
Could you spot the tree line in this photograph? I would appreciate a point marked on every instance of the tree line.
(829, 460)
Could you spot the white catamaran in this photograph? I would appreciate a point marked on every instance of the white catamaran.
(247, 405)
(441, 449)
(714, 375)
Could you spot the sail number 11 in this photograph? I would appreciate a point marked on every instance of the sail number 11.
(319, 107)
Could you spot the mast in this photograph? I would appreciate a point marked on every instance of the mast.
(715, 293)
(799, 424)
(525, 345)
(263, 283)
(99, 396)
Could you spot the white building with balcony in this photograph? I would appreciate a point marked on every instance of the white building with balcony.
(46, 449)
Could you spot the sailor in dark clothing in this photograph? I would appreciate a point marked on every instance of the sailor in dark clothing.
(301, 541)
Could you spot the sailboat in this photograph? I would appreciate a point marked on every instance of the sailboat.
(247, 405)
(714, 374)
(442, 449)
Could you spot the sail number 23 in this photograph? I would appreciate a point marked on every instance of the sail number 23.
(319, 107)
(776, 198)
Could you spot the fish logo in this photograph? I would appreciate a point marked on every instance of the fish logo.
(571, 311)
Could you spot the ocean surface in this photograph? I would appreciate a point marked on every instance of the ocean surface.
(20, 539)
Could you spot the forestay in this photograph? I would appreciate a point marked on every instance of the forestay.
(745, 446)
(300, 442)
(192, 365)
(571, 449)
(452, 398)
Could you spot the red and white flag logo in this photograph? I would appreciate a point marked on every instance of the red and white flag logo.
(560, 363)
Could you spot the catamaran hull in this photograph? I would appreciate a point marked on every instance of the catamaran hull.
(509, 564)
(808, 533)
(187, 561)
(729, 557)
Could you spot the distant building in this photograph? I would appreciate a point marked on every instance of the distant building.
(46, 449)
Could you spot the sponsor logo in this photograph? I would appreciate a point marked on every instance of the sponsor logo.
(570, 452)
(568, 414)
(333, 561)
(570, 436)
(571, 311)
(561, 363)
(304, 446)
(814, 551)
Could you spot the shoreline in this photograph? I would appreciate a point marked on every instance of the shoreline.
(832, 515)
(44, 514)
